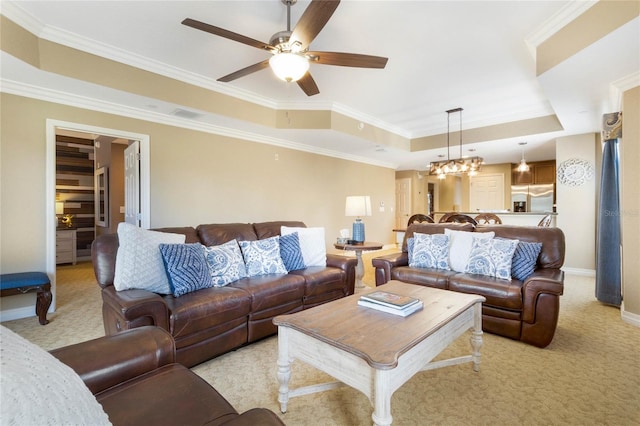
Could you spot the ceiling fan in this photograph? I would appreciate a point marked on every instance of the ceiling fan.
(290, 49)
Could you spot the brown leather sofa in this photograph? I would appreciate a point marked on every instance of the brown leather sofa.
(212, 321)
(522, 310)
(135, 377)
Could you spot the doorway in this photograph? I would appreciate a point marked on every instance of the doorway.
(486, 192)
(55, 126)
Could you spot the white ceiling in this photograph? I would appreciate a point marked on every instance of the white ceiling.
(442, 55)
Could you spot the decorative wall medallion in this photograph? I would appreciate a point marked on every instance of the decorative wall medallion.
(575, 172)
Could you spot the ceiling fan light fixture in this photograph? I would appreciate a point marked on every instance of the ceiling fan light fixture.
(289, 66)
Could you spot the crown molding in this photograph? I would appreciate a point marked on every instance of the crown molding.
(64, 98)
(618, 87)
(559, 20)
(72, 40)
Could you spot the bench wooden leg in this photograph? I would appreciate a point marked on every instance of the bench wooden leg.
(43, 302)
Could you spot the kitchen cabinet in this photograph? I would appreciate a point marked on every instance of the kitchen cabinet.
(539, 172)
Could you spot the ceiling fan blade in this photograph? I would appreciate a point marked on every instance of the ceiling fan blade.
(312, 21)
(348, 59)
(226, 34)
(245, 71)
(308, 85)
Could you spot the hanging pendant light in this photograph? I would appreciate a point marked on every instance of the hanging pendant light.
(523, 166)
(469, 165)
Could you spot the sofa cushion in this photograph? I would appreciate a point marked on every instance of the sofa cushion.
(525, 259)
(291, 253)
(312, 244)
(186, 267)
(460, 243)
(262, 257)
(216, 234)
(321, 280)
(226, 263)
(429, 251)
(139, 262)
(191, 400)
(499, 293)
(552, 239)
(272, 229)
(429, 277)
(272, 294)
(194, 313)
(491, 257)
(37, 389)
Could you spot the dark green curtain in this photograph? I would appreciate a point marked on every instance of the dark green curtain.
(608, 274)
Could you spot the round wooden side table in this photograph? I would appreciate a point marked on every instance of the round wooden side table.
(359, 248)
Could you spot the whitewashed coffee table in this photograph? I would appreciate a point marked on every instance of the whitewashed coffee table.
(372, 351)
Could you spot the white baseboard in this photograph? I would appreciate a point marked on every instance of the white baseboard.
(629, 317)
(19, 313)
(580, 271)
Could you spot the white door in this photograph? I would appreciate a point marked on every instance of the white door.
(486, 192)
(132, 212)
(403, 202)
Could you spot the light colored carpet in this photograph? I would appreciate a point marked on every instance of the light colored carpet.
(588, 375)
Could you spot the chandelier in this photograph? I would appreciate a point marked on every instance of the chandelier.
(469, 165)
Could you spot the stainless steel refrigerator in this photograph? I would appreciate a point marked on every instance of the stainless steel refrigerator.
(536, 198)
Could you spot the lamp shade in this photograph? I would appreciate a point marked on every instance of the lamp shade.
(289, 66)
(59, 207)
(358, 205)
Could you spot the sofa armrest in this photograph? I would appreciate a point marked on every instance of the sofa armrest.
(384, 264)
(107, 361)
(541, 306)
(549, 281)
(348, 265)
(129, 307)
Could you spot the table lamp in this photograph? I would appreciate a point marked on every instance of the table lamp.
(358, 205)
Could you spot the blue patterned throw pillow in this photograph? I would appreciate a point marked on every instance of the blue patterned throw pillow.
(491, 257)
(291, 253)
(186, 267)
(262, 257)
(525, 260)
(226, 263)
(429, 251)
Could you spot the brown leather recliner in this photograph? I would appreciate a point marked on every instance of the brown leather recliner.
(135, 377)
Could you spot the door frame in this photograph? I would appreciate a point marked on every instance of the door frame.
(51, 222)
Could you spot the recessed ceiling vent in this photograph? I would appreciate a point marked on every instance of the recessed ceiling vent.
(183, 113)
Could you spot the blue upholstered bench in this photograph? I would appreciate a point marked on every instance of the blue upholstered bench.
(24, 282)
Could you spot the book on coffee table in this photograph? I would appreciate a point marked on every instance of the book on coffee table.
(391, 300)
(408, 310)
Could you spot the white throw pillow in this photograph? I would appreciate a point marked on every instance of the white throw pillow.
(139, 262)
(312, 244)
(460, 243)
(37, 389)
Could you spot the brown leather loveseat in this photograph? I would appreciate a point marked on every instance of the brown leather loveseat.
(522, 310)
(209, 322)
(133, 375)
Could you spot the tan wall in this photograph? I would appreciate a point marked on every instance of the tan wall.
(576, 205)
(630, 202)
(195, 178)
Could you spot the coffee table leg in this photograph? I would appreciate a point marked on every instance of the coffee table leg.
(382, 399)
(476, 336)
(284, 368)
